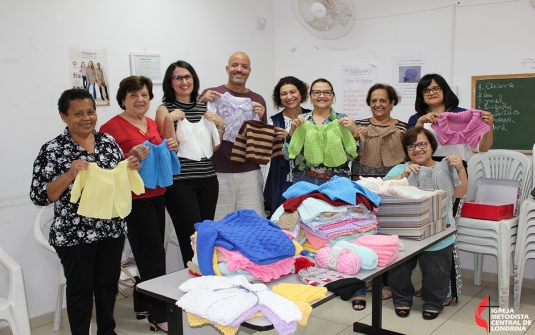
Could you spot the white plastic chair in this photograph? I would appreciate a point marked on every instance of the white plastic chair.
(170, 233)
(14, 309)
(525, 240)
(41, 228)
(496, 238)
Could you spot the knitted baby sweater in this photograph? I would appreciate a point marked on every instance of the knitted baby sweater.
(256, 143)
(386, 141)
(257, 238)
(442, 176)
(223, 299)
(195, 139)
(234, 111)
(324, 144)
(106, 193)
(460, 128)
(158, 168)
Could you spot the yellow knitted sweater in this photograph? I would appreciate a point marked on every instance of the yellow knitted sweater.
(106, 193)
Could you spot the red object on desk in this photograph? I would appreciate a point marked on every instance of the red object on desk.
(487, 211)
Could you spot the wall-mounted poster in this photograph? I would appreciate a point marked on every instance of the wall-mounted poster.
(89, 70)
(146, 64)
(407, 71)
(356, 81)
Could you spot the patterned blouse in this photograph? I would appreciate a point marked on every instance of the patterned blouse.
(53, 160)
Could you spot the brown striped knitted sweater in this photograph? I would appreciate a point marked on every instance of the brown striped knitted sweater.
(256, 143)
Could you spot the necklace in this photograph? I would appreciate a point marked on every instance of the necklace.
(144, 128)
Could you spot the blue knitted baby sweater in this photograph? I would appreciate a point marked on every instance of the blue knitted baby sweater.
(158, 168)
(258, 239)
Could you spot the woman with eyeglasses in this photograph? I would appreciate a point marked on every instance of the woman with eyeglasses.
(193, 196)
(146, 222)
(424, 172)
(322, 96)
(90, 249)
(434, 97)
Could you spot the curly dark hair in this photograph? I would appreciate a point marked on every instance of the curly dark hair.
(64, 102)
(301, 86)
(392, 94)
(130, 84)
(450, 99)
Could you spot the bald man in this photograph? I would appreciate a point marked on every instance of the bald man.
(240, 186)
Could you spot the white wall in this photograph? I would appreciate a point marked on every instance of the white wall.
(488, 39)
(34, 46)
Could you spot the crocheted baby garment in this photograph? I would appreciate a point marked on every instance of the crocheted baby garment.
(323, 144)
(381, 146)
(257, 238)
(460, 128)
(300, 188)
(106, 193)
(300, 292)
(195, 139)
(342, 188)
(380, 186)
(224, 299)
(319, 277)
(255, 144)
(385, 246)
(234, 111)
(442, 176)
(158, 168)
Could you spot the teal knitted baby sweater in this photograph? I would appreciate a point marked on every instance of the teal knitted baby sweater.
(324, 144)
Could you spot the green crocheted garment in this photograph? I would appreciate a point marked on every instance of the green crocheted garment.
(324, 144)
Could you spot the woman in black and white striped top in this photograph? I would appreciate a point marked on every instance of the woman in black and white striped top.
(193, 196)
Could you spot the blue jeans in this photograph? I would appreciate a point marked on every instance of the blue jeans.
(436, 267)
(302, 176)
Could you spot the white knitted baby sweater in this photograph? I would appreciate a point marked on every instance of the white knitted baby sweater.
(223, 299)
(195, 139)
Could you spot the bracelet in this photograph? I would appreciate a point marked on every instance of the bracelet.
(461, 171)
(220, 129)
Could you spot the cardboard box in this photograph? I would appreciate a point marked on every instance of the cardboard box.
(495, 199)
(487, 211)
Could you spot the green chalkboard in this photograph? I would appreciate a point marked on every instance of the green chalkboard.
(511, 98)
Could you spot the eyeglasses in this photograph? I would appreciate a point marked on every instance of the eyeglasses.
(180, 78)
(326, 93)
(435, 89)
(421, 145)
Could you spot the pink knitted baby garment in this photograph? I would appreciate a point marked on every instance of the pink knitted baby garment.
(460, 128)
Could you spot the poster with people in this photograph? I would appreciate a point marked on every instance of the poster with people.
(89, 70)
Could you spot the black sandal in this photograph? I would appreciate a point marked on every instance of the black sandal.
(403, 312)
(429, 315)
(360, 303)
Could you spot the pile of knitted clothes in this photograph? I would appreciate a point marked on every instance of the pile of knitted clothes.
(243, 243)
(226, 302)
(318, 216)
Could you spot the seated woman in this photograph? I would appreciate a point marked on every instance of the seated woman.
(90, 249)
(322, 96)
(434, 97)
(424, 172)
(289, 94)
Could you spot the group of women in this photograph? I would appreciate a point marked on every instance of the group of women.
(388, 148)
(90, 249)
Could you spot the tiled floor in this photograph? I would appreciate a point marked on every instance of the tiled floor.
(337, 317)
